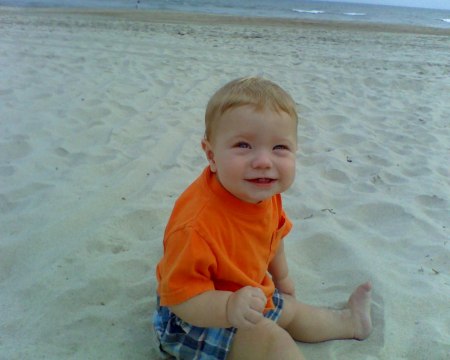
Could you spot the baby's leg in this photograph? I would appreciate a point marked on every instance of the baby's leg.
(313, 324)
(266, 340)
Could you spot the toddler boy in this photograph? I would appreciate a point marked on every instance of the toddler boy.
(224, 290)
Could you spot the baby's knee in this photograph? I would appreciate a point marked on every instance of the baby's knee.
(266, 340)
(275, 337)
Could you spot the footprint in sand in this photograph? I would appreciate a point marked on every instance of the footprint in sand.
(386, 218)
(432, 201)
(336, 175)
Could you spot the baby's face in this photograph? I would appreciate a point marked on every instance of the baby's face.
(253, 152)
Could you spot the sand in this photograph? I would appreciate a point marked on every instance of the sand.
(101, 116)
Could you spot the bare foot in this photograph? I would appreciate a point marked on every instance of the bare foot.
(359, 306)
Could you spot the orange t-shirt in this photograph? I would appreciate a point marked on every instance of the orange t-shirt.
(214, 241)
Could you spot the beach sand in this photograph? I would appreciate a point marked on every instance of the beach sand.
(101, 116)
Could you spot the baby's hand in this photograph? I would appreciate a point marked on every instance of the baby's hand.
(245, 307)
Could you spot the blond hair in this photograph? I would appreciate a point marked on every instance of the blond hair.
(253, 90)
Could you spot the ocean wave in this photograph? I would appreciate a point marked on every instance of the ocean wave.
(309, 11)
(446, 20)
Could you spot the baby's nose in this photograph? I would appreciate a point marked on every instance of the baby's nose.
(262, 159)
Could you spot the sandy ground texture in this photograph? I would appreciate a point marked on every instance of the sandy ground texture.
(101, 116)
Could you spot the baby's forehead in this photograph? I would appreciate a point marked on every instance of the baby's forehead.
(248, 118)
(241, 111)
(255, 109)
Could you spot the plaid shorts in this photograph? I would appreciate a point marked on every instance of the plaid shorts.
(183, 341)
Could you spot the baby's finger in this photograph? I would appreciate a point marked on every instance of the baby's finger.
(253, 316)
(260, 294)
(258, 304)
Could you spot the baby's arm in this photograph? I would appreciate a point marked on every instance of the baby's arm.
(223, 309)
(279, 270)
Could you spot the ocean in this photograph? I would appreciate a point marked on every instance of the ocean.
(296, 9)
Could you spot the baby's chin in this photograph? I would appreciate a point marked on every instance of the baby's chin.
(256, 198)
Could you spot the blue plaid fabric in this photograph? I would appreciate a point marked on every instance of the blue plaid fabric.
(183, 341)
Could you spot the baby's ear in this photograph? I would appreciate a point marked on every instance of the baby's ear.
(207, 148)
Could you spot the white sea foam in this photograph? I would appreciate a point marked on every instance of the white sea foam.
(355, 14)
(309, 11)
(446, 20)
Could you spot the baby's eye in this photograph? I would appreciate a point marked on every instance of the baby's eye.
(281, 147)
(242, 145)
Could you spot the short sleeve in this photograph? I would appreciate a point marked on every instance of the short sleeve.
(187, 267)
(285, 224)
